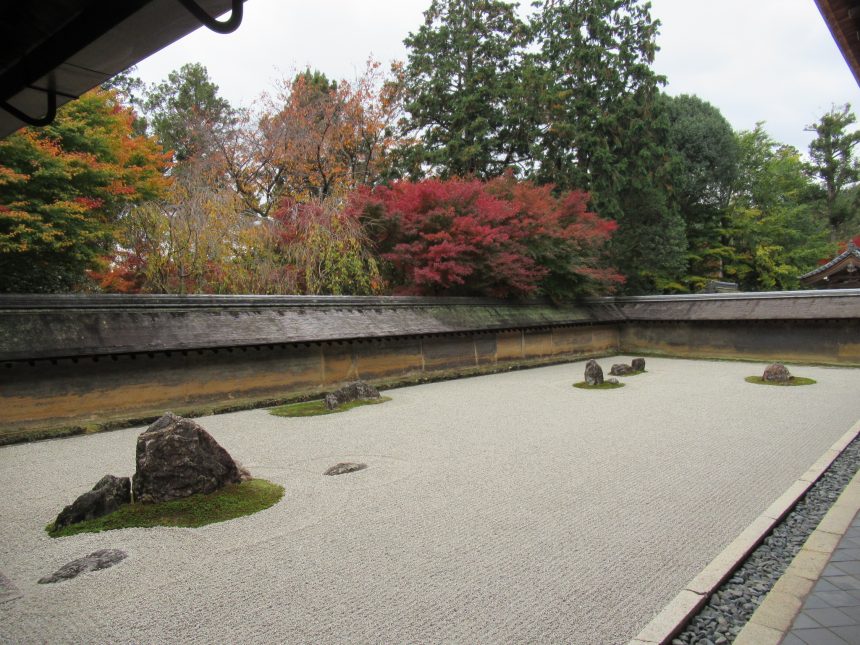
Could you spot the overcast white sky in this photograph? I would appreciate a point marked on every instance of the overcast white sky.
(756, 60)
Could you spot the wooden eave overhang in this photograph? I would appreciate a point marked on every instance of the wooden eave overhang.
(52, 51)
(843, 19)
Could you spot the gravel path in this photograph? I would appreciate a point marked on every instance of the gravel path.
(502, 508)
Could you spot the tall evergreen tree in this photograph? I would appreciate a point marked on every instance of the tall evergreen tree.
(602, 129)
(183, 109)
(704, 161)
(462, 89)
(834, 163)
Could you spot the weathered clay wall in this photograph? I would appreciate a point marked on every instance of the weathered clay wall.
(77, 393)
(91, 361)
(835, 342)
(61, 326)
(800, 326)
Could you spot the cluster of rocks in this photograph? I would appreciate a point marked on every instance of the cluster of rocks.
(622, 369)
(732, 605)
(175, 458)
(776, 373)
(594, 373)
(350, 392)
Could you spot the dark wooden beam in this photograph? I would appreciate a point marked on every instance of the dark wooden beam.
(843, 20)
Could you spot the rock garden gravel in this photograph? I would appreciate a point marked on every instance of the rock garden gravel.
(502, 508)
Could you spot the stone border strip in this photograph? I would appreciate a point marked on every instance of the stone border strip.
(671, 620)
(774, 617)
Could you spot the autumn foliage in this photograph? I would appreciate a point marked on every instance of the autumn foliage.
(63, 187)
(325, 249)
(501, 238)
(313, 140)
(288, 199)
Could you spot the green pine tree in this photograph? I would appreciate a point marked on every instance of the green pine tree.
(604, 131)
(462, 90)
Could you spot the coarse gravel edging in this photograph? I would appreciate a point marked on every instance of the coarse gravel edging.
(674, 616)
(774, 617)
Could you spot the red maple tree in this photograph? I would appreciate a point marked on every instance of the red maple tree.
(502, 238)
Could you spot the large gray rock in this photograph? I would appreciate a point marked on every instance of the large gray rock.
(593, 373)
(776, 372)
(95, 561)
(620, 369)
(106, 496)
(177, 458)
(638, 364)
(350, 392)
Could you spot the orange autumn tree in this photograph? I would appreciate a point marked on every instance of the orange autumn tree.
(314, 140)
(63, 189)
(197, 239)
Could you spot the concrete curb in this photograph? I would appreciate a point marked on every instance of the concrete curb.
(671, 620)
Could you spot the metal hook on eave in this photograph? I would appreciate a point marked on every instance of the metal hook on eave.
(50, 114)
(226, 27)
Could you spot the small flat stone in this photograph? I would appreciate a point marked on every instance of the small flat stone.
(8, 591)
(95, 561)
(344, 467)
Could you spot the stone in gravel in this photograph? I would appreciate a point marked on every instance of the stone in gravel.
(593, 373)
(638, 364)
(8, 591)
(350, 392)
(106, 496)
(95, 561)
(776, 372)
(613, 381)
(177, 458)
(620, 369)
(344, 467)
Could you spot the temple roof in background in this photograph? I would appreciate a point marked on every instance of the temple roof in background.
(842, 272)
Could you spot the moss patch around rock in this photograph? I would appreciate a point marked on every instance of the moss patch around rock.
(582, 385)
(235, 500)
(794, 380)
(316, 408)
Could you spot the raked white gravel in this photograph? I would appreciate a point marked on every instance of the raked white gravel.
(502, 508)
